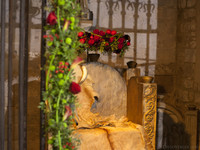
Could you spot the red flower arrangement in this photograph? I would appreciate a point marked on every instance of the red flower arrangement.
(108, 41)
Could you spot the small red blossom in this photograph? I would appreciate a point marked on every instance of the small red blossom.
(67, 63)
(101, 33)
(91, 42)
(57, 36)
(113, 32)
(96, 31)
(45, 36)
(91, 37)
(56, 71)
(68, 144)
(108, 31)
(51, 19)
(80, 34)
(128, 43)
(121, 40)
(96, 38)
(106, 44)
(74, 88)
(120, 46)
(111, 39)
(82, 41)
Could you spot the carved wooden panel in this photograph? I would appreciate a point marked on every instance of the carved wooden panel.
(149, 110)
(142, 106)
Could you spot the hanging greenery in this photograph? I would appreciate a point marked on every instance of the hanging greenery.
(59, 96)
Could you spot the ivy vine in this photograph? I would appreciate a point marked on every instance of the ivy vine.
(61, 53)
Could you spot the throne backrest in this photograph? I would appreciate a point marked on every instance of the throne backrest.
(111, 88)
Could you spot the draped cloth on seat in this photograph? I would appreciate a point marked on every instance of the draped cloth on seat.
(97, 132)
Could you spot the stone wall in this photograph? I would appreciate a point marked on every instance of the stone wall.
(164, 46)
(33, 112)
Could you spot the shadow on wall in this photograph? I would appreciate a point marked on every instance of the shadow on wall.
(171, 135)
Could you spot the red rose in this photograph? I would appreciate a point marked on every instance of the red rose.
(101, 33)
(128, 43)
(106, 44)
(51, 19)
(91, 42)
(113, 32)
(121, 40)
(111, 39)
(91, 37)
(82, 41)
(120, 46)
(80, 34)
(96, 38)
(108, 31)
(74, 88)
(96, 31)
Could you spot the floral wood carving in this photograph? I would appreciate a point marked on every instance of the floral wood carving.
(149, 105)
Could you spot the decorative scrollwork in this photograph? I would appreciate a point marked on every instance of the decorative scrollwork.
(150, 111)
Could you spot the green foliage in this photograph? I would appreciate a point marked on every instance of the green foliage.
(61, 50)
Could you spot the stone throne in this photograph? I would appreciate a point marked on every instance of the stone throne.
(112, 100)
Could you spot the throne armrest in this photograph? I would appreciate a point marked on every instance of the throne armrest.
(142, 105)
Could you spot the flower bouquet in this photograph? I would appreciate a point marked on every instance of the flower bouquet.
(61, 59)
(105, 42)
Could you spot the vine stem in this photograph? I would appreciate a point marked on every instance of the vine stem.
(61, 91)
(47, 76)
(57, 118)
(58, 17)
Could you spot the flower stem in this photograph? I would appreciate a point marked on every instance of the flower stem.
(47, 77)
(57, 116)
(57, 119)
(58, 17)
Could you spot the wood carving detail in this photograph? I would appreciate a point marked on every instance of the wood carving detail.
(149, 120)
